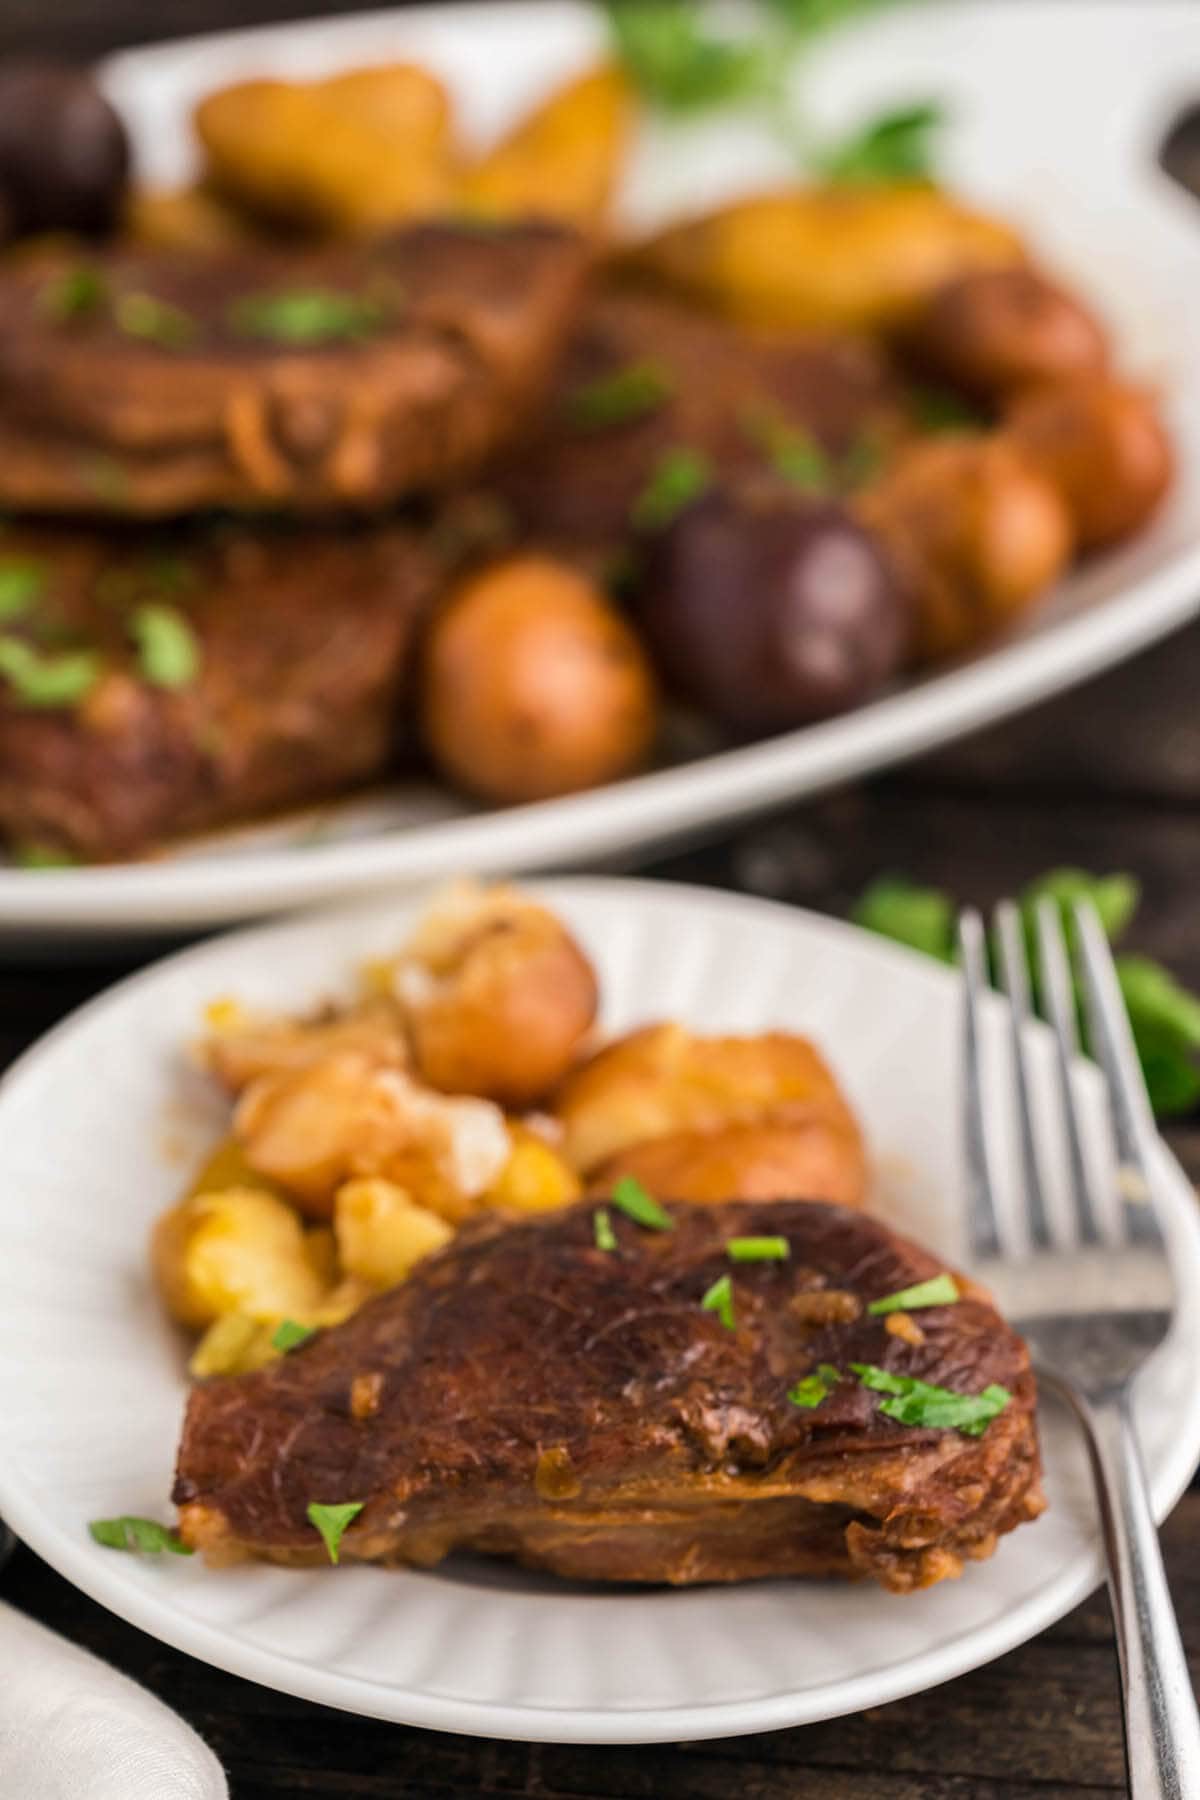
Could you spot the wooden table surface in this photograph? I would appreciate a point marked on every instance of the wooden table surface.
(1106, 778)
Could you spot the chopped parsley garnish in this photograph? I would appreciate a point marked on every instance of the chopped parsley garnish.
(913, 1402)
(74, 295)
(894, 146)
(810, 1390)
(719, 1299)
(758, 1249)
(939, 1290)
(21, 583)
(304, 316)
(633, 392)
(862, 461)
(679, 64)
(168, 653)
(39, 679)
(792, 452)
(131, 1533)
(289, 1335)
(606, 1237)
(679, 477)
(641, 1207)
(155, 321)
(331, 1521)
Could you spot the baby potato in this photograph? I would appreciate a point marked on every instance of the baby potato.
(855, 259)
(234, 1344)
(563, 160)
(243, 1045)
(314, 1128)
(535, 1178)
(189, 219)
(534, 685)
(790, 1155)
(662, 1080)
(994, 331)
(241, 1250)
(381, 1234)
(497, 996)
(976, 532)
(352, 155)
(1103, 445)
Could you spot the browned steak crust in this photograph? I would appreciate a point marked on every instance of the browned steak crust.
(151, 384)
(529, 1394)
(300, 644)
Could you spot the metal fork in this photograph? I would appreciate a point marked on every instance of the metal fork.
(1091, 1309)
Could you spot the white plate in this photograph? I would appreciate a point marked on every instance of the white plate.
(92, 1388)
(1073, 163)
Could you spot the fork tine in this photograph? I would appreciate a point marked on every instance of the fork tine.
(1112, 1045)
(1014, 979)
(1058, 1000)
(981, 1189)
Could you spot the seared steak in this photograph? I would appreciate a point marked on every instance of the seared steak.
(646, 376)
(155, 686)
(532, 1395)
(147, 383)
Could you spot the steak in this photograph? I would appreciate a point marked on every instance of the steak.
(147, 383)
(693, 382)
(152, 686)
(529, 1394)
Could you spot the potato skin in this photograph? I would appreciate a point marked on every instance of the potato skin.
(563, 159)
(503, 1006)
(533, 685)
(661, 1080)
(1103, 444)
(995, 331)
(790, 1155)
(241, 1250)
(854, 259)
(976, 532)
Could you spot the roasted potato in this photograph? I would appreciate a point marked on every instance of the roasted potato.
(792, 1154)
(996, 331)
(242, 1045)
(496, 994)
(563, 160)
(662, 1080)
(381, 1233)
(313, 1129)
(536, 1178)
(234, 1344)
(1102, 443)
(241, 1250)
(349, 156)
(532, 684)
(856, 259)
(975, 531)
(190, 219)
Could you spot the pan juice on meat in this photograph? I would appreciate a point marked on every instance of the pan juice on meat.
(700, 1394)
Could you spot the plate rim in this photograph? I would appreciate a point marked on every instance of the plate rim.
(76, 1560)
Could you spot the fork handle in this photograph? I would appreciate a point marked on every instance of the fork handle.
(1162, 1726)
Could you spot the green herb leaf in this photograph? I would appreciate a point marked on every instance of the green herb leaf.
(168, 652)
(809, 18)
(922, 918)
(936, 409)
(289, 1335)
(131, 1533)
(155, 321)
(719, 1299)
(74, 294)
(307, 316)
(939, 1290)
(812, 1389)
(633, 392)
(679, 477)
(894, 147)
(606, 1237)
(792, 452)
(758, 1249)
(677, 63)
(38, 679)
(22, 581)
(913, 1402)
(331, 1521)
(638, 1205)
(41, 856)
(862, 461)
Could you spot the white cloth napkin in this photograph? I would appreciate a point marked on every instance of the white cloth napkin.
(71, 1728)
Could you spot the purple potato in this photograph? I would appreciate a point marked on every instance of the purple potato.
(767, 617)
(64, 154)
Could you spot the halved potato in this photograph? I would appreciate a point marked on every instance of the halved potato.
(240, 1250)
(564, 159)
